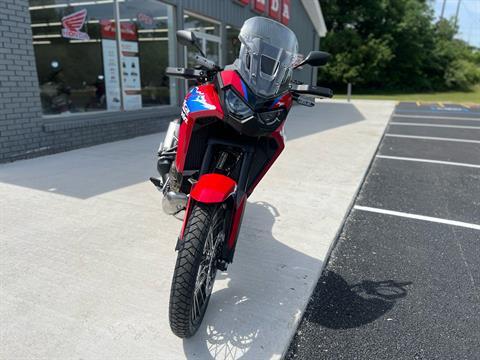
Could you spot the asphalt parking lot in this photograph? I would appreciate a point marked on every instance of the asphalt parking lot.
(403, 281)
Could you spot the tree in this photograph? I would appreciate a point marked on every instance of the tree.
(394, 45)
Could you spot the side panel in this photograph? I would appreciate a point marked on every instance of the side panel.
(280, 140)
(201, 101)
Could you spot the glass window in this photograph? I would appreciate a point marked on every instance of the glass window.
(193, 22)
(69, 55)
(233, 44)
(153, 23)
(208, 34)
(78, 61)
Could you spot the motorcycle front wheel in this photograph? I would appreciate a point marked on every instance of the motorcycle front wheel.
(195, 269)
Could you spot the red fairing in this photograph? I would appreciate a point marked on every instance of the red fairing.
(213, 188)
(231, 77)
(201, 101)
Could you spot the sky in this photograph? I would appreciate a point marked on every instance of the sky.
(468, 18)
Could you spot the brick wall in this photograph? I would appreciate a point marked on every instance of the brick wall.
(20, 111)
(23, 131)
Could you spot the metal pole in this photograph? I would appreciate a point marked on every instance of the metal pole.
(443, 9)
(118, 38)
(349, 92)
(458, 10)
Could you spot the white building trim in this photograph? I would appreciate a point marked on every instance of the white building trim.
(314, 11)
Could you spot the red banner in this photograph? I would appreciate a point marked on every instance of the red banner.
(285, 11)
(108, 30)
(259, 5)
(242, 2)
(274, 9)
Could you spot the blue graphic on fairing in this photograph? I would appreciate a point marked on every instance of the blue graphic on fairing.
(196, 101)
(275, 102)
(244, 88)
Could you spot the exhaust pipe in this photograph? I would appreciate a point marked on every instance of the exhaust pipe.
(174, 202)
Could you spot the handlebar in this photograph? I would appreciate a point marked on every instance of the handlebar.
(190, 74)
(304, 100)
(311, 90)
(207, 64)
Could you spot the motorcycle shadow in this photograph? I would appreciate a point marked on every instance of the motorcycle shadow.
(340, 305)
(258, 298)
(255, 297)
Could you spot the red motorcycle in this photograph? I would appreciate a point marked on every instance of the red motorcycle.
(229, 135)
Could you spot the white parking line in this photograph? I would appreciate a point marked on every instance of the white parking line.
(427, 161)
(436, 117)
(417, 217)
(433, 138)
(435, 125)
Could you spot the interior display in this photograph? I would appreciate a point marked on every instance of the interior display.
(80, 39)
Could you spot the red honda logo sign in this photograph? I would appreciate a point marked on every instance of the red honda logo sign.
(73, 23)
(274, 9)
(260, 5)
(285, 11)
(108, 30)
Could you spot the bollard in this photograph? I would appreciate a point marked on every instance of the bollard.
(349, 91)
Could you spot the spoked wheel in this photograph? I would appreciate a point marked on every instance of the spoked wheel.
(196, 268)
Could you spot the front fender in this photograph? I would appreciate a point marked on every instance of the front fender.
(213, 188)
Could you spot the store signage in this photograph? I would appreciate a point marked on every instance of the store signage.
(73, 23)
(259, 5)
(112, 77)
(277, 9)
(274, 9)
(285, 11)
(130, 66)
(108, 30)
(132, 97)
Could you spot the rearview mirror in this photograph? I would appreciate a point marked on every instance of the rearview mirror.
(315, 58)
(186, 37)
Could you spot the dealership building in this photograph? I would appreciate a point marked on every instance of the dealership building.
(75, 73)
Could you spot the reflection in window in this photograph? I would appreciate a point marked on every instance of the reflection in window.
(69, 65)
(233, 44)
(153, 22)
(77, 57)
(208, 36)
(194, 23)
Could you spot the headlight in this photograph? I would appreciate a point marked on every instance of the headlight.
(270, 117)
(237, 107)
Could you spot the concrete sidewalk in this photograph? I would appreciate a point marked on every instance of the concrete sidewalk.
(86, 254)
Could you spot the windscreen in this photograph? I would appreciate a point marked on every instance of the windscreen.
(266, 56)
